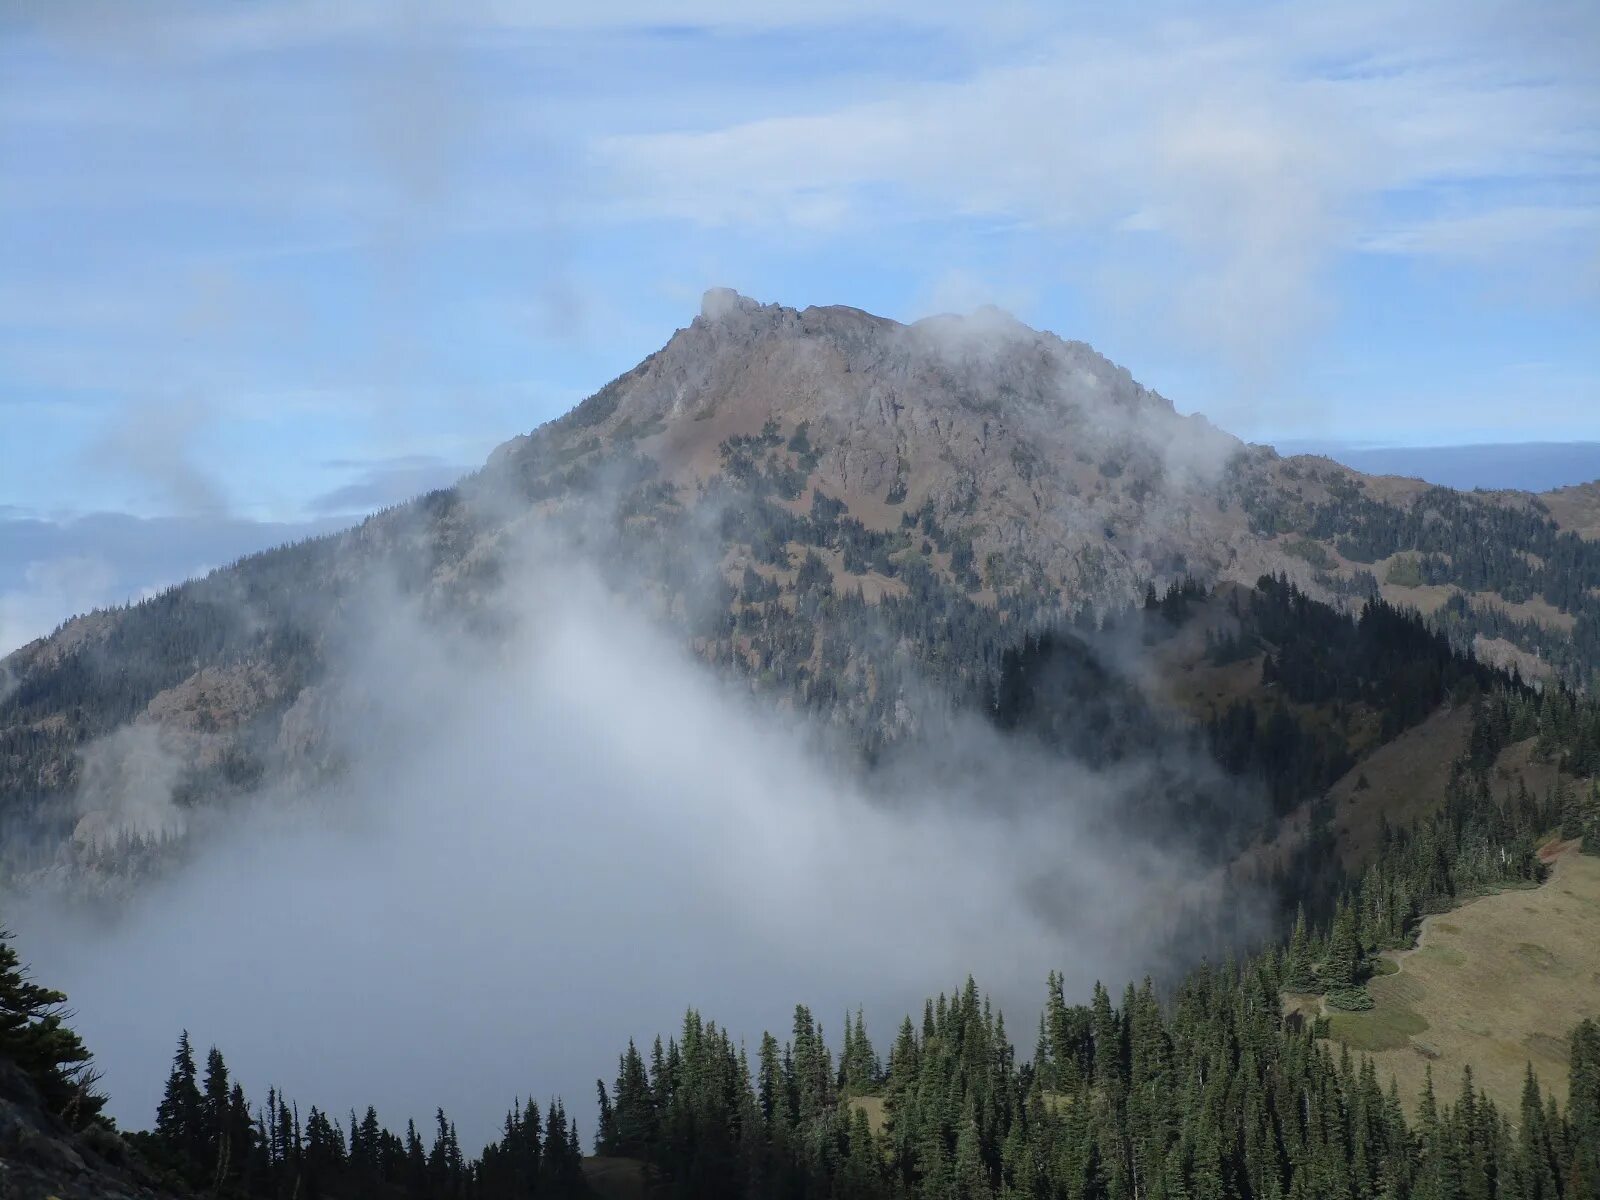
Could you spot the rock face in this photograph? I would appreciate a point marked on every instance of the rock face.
(1051, 455)
(41, 1158)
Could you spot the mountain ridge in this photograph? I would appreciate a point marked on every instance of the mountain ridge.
(841, 507)
(980, 416)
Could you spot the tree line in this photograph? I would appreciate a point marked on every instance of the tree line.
(208, 1139)
(1213, 1094)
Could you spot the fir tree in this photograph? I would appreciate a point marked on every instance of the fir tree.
(35, 1036)
(216, 1110)
(180, 1130)
(1584, 1100)
(1297, 972)
(1341, 965)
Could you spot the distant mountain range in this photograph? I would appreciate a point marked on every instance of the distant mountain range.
(1521, 466)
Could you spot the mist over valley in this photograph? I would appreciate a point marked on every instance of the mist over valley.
(485, 715)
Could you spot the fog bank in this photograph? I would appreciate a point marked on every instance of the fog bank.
(547, 846)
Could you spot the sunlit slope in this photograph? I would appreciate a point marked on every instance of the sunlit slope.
(1497, 984)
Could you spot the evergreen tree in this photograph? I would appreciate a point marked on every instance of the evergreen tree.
(35, 1036)
(1584, 1099)
(1341, 964)
(216, 1142)
(180, 1127)
(605, 1133)
(1297, 974)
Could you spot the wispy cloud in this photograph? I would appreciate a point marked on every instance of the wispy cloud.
(380, 483)
(1493, 232)
(154, 443)
(53, 568)
(419, 203)
(1256, 150)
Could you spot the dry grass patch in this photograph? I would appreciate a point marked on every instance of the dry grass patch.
(1202, 689)
(1517, 761)
(1576, 508)
(1538, 609)
(877, 1116)
(1427, 598)
(1405, 780)
(1536, 956)
(1499, 983)
(1388, 1028)
(1450, 956)
(1498, 652)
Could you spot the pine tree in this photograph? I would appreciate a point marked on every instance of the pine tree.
(216, 1111)
(859, 1063)
(323, 1159)
(1565, 803)
(241, 1140)
(1106, 1037)
(416, 1160)
(1584, 1115)
(34, 1035)
(366, 1150)
(970, 1177)
(1342, 964)
(1297, 973)
(605, 1132)
(180, 1127)
(634, 1115)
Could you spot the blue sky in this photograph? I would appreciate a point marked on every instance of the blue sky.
(270, 264)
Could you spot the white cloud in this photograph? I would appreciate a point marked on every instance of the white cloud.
(153, 442)
(48, 592)
(206, 193)
(54, 569)
(588, 832)
(1257, 150)
(1489, 233)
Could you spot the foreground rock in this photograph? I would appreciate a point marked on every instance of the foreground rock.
(41, 1158)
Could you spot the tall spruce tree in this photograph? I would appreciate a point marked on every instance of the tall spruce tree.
(215, 1138)
(1584, 1102)
(1297, 973)
(1341, 965)
(180, 1127)
(35, 1036)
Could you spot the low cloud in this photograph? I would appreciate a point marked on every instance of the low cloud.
(45, 592)
(127, 787)
(153, 442)
(383, 482)
(53, 569)
(551, 844)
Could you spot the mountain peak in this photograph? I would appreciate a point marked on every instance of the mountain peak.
(718, 302)
(950, 387)
(1035, 448)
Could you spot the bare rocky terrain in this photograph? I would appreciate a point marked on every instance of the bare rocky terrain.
(41, 1159)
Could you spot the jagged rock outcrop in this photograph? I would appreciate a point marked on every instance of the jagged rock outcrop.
(1045, 451)
(41, 1159)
